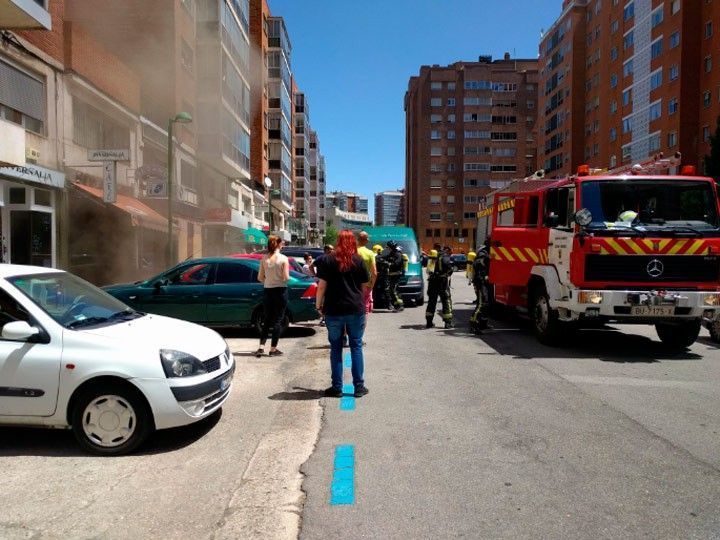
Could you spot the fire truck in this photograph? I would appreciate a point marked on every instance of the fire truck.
(638, 244)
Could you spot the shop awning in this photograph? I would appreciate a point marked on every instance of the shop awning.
(141, 214)
(255, 236)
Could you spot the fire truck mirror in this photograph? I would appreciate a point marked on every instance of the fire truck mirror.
(583, 217)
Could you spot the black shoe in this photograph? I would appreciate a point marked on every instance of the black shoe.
(259, 352)
(448, 324)
(429, 324)
(360, 391)
(332, 392)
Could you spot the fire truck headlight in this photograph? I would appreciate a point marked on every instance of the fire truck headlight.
(590, 297)
(712, 299)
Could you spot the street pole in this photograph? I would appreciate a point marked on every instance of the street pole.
(169, 193)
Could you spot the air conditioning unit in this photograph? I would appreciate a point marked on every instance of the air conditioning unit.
(32, 154)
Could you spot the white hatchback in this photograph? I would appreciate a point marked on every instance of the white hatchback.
(72, 356)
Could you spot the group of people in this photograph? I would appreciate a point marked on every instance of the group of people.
(348, 275)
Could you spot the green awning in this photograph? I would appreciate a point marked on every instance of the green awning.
(255, 236)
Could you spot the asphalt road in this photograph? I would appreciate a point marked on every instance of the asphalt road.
(499, 437)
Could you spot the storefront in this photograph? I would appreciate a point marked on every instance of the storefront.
(28, 214)
(226, 231)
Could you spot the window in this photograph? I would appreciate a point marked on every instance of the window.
(22, 99)
(672, 139)
(628, 40)
(627, 125)
(94, 129)
(450, 199)
(451, 118)
(656, 79)
(451, 134)
(477, 134)
(478, 85)
(627, 97)
(435, 200)
(656, 49)
(435, 183)
(477, 101)
(706, 99)
(613, 106)
(655, 111)
(451, 102)
(613, 80)
(451, 149)
(674, 7)
(435, 134)
(476, 167)
(503, 136)
(629, 11)
(673, 72)
(672, 106)
(235, 273)
(628, 68)
(530, 104)
(468, 215)
(654, 142)
(451, 167)
(435, 216)
(435, 118)
(613, 53)
(674, 39)
(435, 86)
(436, 102)
(428, 233)
(451, 86)
(656, 18)
(708, 29)
(614, 25)
(451, 184)
(613, 134)
(193, 274)
(706, 133)
(450, 216)
(475, 117)
(436, 151)
(708, 64)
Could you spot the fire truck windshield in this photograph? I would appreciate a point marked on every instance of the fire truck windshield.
(631, 206)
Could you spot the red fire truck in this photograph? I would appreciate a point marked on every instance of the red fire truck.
(639, 244)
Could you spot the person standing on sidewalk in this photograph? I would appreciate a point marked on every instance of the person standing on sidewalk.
(274, 275)
(368, 257)
(343, 277)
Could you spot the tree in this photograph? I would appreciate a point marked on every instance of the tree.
(712, 161)
(331, 235)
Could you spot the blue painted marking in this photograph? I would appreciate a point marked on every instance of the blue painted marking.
(347, 403)
(342, 488)
(348, 389)
(348, 360)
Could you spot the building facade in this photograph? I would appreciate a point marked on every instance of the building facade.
(388, 208)
(470, 128)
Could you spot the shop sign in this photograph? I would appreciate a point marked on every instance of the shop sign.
(218, 215)
(35, 174)
(109, 182)
(108, 155)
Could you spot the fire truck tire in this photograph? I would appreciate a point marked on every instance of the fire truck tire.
(678, 336)
(714, 330)
(547, 327)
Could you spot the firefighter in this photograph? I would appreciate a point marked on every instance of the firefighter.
(396, 270)
(381, 298)
(439, 270)
(479, 273)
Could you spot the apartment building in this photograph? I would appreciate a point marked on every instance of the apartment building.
(347, 201)
(709, 74)
(623, 81)
(301, 133)
(388, 208)
(318, 229)
(470, 128)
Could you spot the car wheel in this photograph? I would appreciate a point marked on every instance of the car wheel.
(420, 301)
(111, 419)
(259, 317)
(678, 336)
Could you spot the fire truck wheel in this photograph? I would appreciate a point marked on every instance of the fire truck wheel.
(546, 326)
(678, 336)
(714, 329)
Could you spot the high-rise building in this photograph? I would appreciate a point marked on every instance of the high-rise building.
(623, 81)
(301, 130)
(320, 228)
(709, 74)
(347, 201)
(388, 207)
(470, 128)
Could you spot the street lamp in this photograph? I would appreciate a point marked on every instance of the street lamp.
(179, 118)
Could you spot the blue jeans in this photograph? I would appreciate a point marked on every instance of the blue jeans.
(355, 325)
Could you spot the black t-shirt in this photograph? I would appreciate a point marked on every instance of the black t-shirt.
(344, 292)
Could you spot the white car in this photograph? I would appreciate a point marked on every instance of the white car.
(72, 356)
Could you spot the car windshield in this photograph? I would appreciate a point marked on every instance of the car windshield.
(651, 205)
(71, 301)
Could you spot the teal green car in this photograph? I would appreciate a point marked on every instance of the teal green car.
(412, 284)
(217, 292)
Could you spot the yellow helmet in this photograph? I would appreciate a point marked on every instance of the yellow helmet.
(377, 248)
(433, 254)
(471, 256)
(405, 257)
(628, 216)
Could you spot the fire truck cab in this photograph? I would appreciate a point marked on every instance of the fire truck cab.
(628, 246)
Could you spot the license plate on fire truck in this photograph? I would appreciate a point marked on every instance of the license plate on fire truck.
(652, 311)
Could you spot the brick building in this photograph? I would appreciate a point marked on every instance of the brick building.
(470, 128)
(622, 81)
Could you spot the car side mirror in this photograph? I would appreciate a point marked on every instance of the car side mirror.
(552, 220)
(19, 331)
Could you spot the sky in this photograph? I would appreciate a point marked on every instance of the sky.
(353, 59)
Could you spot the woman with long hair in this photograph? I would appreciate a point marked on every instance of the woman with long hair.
(274, 275)
(340, 297)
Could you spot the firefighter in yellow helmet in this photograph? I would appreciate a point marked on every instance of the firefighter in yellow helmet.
(439, 271)
(480, 268)
(381, 298)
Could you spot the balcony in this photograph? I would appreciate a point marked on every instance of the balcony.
(28, 14)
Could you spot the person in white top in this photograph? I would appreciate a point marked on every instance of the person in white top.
(274, 275)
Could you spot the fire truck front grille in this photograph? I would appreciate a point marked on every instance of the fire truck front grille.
(664, 269)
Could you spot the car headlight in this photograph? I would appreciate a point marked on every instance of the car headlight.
(180, 364)
(712, 299)
(590, 297)
(228, 356)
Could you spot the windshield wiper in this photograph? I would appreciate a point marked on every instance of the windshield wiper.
(619, 230)
(90, 321)
(680, 228)
(125, 315)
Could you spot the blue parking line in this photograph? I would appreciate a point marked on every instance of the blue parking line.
(348, 360)
(342, 488)
(347, 401)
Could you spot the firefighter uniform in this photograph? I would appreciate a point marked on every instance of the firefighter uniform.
(381, 297)
(479, 274)
(396, 270)
(439, 270)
